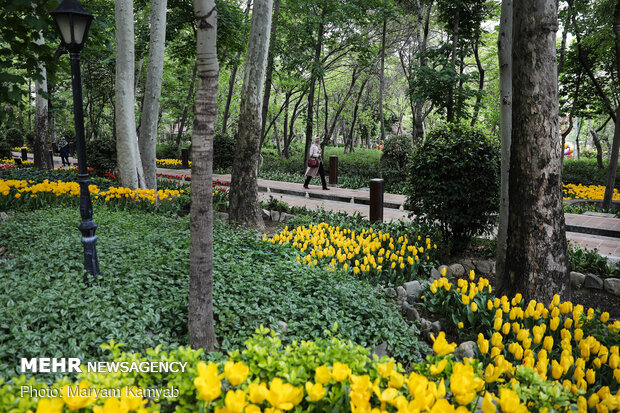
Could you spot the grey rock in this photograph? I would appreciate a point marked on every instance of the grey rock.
(275, 215)
(4, 216)
(401, 292)
(413, 289)
(220, 215)
(283, 326)
(435, 275)
(448, 270)
(411, 313)
(284, 217)
(577, 279)
(436, 326)
(465, 349)
(593, 282)
(484, 267)
(457, 270)
(390, 292)
(411, 299)
(468, 265)
(612, 285)
(381, 350)
(266, 214)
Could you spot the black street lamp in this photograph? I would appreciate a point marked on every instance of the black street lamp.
(73, 23)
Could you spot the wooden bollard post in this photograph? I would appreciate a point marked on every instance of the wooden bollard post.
(24, 154)
(51, 154)
(185, 158)
(333, 170)
(376, 200)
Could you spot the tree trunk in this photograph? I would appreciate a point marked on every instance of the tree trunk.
(130, 170)
(201, 329)
(536, 257)
(474, 119)
(186, 108)
(41, 121)
(357, 104)
(613, 159)
(599, 149)
(504, 52)
(231, 81)
(313, 77)
(455, 41)
(244, 204)
(147, 138)
(382, 79)
(269, 74)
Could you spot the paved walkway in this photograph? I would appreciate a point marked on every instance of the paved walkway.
(602, 233)
(586, 231)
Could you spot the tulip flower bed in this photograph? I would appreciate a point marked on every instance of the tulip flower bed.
(572, 191)
(21, 194)
(323, 375)
(565, 343)
(171, 163)
(374, 256)
(11, 161)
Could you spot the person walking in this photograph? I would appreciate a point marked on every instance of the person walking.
(315, 164)
(63, 147)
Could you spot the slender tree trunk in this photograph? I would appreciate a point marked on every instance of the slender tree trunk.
(613, 159)
(313, 78)
(455, 41)
(382, 79)
(504, 51)
(287, 97)
(231, 81)
(201, 329)
(357, 104)
(269, 74)
(536, 257)
(244, 204)
(599, 149)
(147, 137)
(474, 119)
(41, 130)
(340, 108)
(186, 108)
(130, 170)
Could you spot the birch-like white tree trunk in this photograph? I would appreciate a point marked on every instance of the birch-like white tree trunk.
(147, 137)
(130, 170)
(536, 247)
(201, 329)
(504, 54)
(244, 203)
(41, 120)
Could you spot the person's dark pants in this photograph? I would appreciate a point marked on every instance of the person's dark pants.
(64, 158)
(322, 173)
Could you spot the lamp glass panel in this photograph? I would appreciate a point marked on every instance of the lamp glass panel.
(64, 23)
(79, 27)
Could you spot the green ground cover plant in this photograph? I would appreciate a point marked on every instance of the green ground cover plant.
(141, 299)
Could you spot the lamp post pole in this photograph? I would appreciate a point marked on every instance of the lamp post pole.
(73, 23)
(87, 226)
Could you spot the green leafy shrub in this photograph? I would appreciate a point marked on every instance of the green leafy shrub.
(585, 171)
(168, 150)
(454, 180)
(101, 155)
(394, 160)
(5, 150)
(589, 261)
(223, 151)
(30, 139)
(141, 298)
(14, 137)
